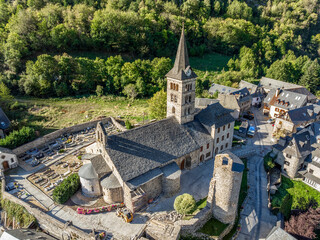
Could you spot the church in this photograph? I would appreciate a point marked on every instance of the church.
(138, 165)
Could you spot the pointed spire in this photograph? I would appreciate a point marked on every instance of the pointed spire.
(181, 63)
(182, 58)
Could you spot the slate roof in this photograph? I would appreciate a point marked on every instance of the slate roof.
(214, 114)
(171, 170)
(304, 91)
(221, 89)
(4, 120)
(228, 101)
(242, 95)
(110, 181)
(23, 234)
(286, 99)
(252, 88)
(270, 83)
(99, 164)
(270, 96)
(5, 150)
(139, 150)
(181, 63)
(302, 115)
(87, 172)
(277, 233)
(203, 102)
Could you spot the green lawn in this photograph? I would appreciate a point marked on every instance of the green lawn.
(213, 227)
(237, 125)
(202, 203)
(296, 189)
(47, 115)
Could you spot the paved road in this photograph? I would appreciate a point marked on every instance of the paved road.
(256, 219)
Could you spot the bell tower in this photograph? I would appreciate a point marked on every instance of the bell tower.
(181, 84)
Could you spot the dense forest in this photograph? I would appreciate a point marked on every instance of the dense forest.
(279, 39)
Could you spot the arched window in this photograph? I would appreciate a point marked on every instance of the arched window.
(216, 151)
(175, 98)
(189, 111)
(171, 97)
(190, 98)
(171, 85)
(186, 99)
(221, 148)
(177, 88)
(173, 110)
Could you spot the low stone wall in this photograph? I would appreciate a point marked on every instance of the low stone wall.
(51, 136)
(48, 223)
(118, 125)
(188, 227)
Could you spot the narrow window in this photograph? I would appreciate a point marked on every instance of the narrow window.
(208, 154)
(177, 87)
(229, 125)
(201, 149)
(217, 140)
(92, 189)
(216, 151)
(175, 99)
(171, 97)
(218, 130)
(173, 110)
(189, 110)
(222, 138)
(190, 98)
(221, 148)
(226, 145)
(186, 99)
(207, 145)
(228, 134)
(12, 161)
(224, 128)
(171, 85)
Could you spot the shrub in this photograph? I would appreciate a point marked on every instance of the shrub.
(66, 189)
(184, 204)
(18, 138)
(268, 163)
(62, 151)
(128, 124)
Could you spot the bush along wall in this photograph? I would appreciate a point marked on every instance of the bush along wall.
(66, 188)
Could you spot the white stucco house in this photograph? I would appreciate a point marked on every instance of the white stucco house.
(8, 159)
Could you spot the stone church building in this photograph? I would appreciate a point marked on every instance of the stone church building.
(142, 163)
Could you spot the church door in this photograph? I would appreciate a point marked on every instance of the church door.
(5, 165)
(182, 164)
(188, 162)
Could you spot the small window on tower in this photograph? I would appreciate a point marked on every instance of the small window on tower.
(171, 85)
(173, 110)
(175, 99)
(171, 97)
(177, 87)
(190, 98)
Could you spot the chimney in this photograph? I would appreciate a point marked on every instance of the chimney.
(277, 92)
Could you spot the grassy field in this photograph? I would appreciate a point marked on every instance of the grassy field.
(296, 189)
(47, 115)
(213, 227)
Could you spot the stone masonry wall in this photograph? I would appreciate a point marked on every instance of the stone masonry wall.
(153, 188)
(51, 136)
(48, 223)
(113, 195)
(170, 186)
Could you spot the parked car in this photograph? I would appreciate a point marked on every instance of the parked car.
(39, 156)
(243, 128)
(10, 186)
(251, 131)
(248, 116)
(271, 120)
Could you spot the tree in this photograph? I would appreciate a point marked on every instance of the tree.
(99, 90)
(130, 91)
(239, 10)
(311, 77)
(184, 204)
(158, 105)
(4, 92)
(18, 138)
(303, 226)
(281, 70)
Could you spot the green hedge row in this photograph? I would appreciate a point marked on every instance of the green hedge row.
(18, 138)
(66, 188)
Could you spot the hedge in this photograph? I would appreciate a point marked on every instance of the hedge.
(66, 188)
(18, 138)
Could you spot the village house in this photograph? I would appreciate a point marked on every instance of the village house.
(217, 88)
(299, 155)
(144, 162)
(4, 123)
(239, 102)
(8, 159)
(297, 118)
(255, 91)
(278, 102)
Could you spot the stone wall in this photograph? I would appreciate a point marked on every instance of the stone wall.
(52, 136)
(153, 188)
(90, 187)
(171, 185)
(113, 195)
(188, 227)
(48, 223)
(118, 125)
(11, 159)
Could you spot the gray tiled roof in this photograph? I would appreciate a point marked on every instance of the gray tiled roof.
(302, 115)
(139, 150)
(270, 83)
(204, 102)
(145, 177)
(277, 233)
(252, 88)
(181, 64)
(216, 115)
(23, 234)
(243, 95)
(221, 89)
(87, 172)
(6, 150)
(171, 170)
(228, 101)
(99, 164)
(110, 181)
(270, 95)
(4, 120)
(290, 100)
(304, 91)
